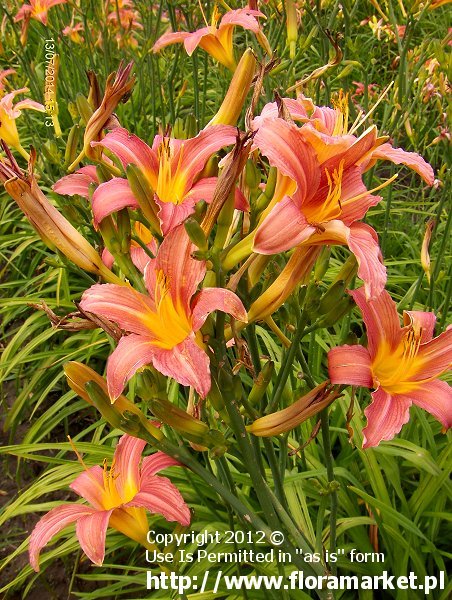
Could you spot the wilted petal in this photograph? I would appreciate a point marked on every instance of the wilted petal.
(386, 416)
(283, 228)
(186, 363)
(91, 533)
(127, 459)
(155, 463)
(381, 320)
(50, 524)
(350, 365)
(436, 398)
(410, 159)
(210, 299)
(132, 353)
(120, 304)
(111, 196)
(77, 183)
(160, 496)
(90, 486)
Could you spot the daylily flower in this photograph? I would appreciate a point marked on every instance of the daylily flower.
(170, 167)
(216, 41)
(320, 196)
(8, 116)
(163, 326)
(73, 32)
(402, 364)
(37, 9)
(117, 497)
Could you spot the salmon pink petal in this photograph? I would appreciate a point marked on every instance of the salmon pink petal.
(421, 322)
(363, 242)
(297, 110)
(283, 228)
(50, 524)
(410, 159)
(240, 201)
(130, 149)
(353, 187)
(381, 320)
(210, 299)
(195, 152)
(435, 356)
(119, 304)
(90, 486)
(284, 146)
(386, 416)
(186, 363)
(155, 463)
(77, 183)
(184, 272)
(244, 17)
(127, 459)
(91, 533)
(30, 104)
(169, 38)
(329, 149)
(192, 40)
(436, 398)
(203, 190)
(132, 353)
(160, 496)
(171, 215)
(140, 257)
(350, 365)
(107, 258)
(111, 196)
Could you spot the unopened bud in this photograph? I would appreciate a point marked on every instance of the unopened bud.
(196, 234)
(261, 383)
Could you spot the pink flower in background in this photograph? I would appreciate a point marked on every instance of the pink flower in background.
(164, 325)
(3, 75)
(215, 40)
(402, 364)
(37, 9)
(8, 115)
(117, 497)
(73, 32)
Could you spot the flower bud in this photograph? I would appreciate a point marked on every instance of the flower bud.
(71, 146)
(196, 234)
(239, 87)
(261, 383)
(144, 195)
(287, 419)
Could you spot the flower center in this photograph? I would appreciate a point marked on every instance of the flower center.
(169, 324)
(330, 208)
(393, 369)
(171, 179)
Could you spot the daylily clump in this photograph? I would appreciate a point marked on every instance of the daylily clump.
(117, 497)
(164, 326)
(402, 364)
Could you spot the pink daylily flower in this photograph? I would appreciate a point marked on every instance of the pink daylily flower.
(171, 167)
(163, 326)
(118, 497)
(320, 197)
(37, 9)
(216, 41)
(402, 364)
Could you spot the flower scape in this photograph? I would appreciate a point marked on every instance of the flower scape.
(204, 253)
